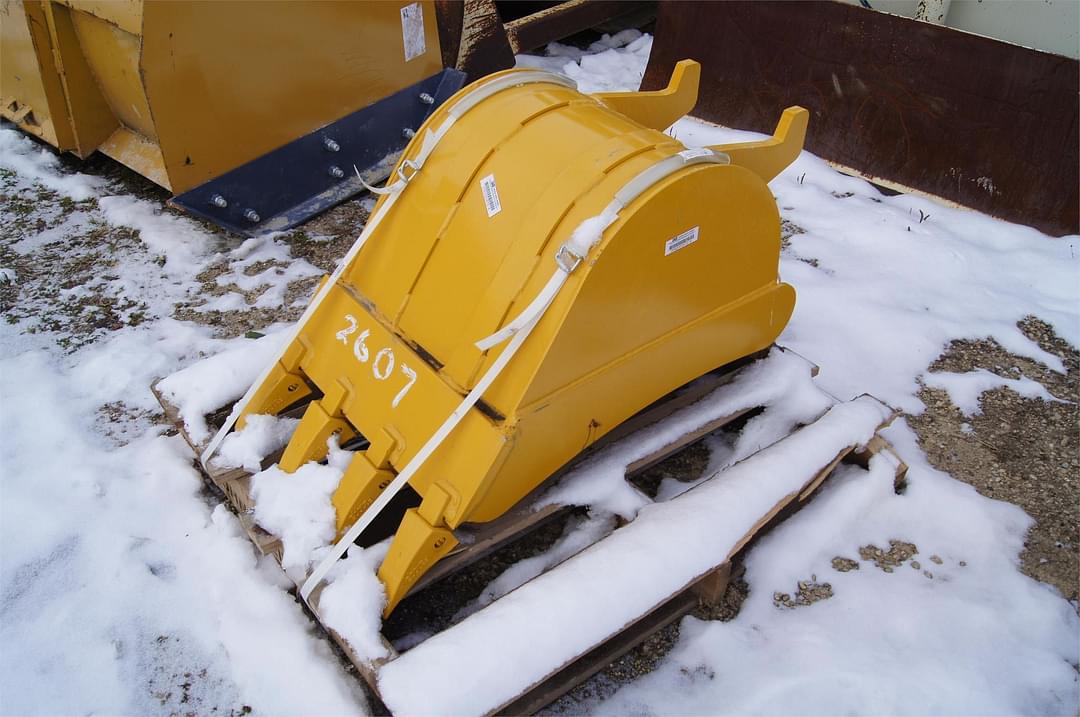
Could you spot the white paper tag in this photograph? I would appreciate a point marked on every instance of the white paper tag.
(491, 195)
(687, 238)
(412, 31)
(695, 153)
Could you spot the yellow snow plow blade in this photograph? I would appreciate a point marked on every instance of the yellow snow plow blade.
(542, 268)
(185, 93)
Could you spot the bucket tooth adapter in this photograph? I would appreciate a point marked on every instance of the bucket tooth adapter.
(252, 114)
(544, 265)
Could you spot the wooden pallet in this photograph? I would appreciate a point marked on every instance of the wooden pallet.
(480, 541)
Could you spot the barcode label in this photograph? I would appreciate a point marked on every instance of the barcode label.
(412, 31)
(687, 238)
(491, 195)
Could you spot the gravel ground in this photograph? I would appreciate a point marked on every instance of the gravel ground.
(1020, 450)
(1024, 451)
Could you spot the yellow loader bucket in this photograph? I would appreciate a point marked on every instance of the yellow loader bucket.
(250, 113)
(545, 265)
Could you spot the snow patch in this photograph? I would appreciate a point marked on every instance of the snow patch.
(781, 382)
(579, 534)
(217, 381)
(966, 389)
(34, 164)
(261, 436)
(354, 598)
(177, 239)
(296, 507)
(907, 642)
(272, 281)
(613, 64)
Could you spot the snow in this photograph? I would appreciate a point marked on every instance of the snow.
(353, 601)
(512, 644)
(579, 534)
(274, 279)
(122, 581)
(613, 64)
(261, 436)
(118, 578)
(782, 383)
(36, 164)
(588, 233)
(296, 507)
(978, 638)
(966, 389)
(123, 590)
(217, 381)
(178, 240)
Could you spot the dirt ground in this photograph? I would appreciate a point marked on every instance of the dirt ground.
(1024, 451)
(1019, 450)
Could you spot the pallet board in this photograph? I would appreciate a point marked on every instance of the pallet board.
(480, 541)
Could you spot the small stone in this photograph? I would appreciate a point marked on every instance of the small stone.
(887, 569)
(928, 574)
(844, 565)
(915, 564)
(963, 564)
(935, 559)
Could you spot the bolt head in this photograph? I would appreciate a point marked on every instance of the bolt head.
(219, 201)
(252, 216)
(331, 145)
(408, 133)
(336, 172)
(426, 98)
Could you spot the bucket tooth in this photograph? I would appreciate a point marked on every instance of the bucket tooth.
(358, 489)
(308, 442)
(416, 546)
(281, 389)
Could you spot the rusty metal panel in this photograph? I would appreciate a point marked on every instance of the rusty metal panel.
(472, 37)
(987, 124)
(565, 19)
(479, 37)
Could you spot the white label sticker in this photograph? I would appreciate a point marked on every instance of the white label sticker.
(695, 153)
(687, 238)
(412, 31)
(491, 195)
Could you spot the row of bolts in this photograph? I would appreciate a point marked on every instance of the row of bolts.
(337, 172)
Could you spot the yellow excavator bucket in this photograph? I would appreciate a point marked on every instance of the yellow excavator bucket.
(250, 113)
(544, 265)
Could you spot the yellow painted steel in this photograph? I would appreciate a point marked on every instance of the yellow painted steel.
(391, 348)
(31, 94)
(182, 92)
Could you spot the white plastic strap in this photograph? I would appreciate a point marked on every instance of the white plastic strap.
(586, 236)
(427, 146)
(390, 188)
